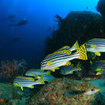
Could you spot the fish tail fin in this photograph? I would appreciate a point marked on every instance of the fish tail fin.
(83, 52)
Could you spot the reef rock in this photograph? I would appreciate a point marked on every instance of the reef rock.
(101, 7)
(66, 91)
(10, 95)
(77, 25)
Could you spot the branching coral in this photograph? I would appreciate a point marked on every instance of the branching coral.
(10, 69)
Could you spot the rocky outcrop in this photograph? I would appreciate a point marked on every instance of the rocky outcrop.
(77, 25)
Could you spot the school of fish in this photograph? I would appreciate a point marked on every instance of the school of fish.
(61, 60)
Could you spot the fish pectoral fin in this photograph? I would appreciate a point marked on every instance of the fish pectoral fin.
(93, 46)
(98, 73)
(21, 88)
(31, 87)
(98, 53)
(68, 63)
(53, 70)
(79, 69)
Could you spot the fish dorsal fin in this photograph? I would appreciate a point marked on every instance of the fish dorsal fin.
(63, 51)
(93, 46)
(97, 39)
(64, 47)
(83, 52)
(76, 44)
(29, 78)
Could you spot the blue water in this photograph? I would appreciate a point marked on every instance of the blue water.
(40, 15)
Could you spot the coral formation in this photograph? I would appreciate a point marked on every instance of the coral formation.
(54, 93)
(10, 95)
(77, 25)
(101, 7)
(10, 69)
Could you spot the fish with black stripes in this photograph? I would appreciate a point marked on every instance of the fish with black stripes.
(60, 58)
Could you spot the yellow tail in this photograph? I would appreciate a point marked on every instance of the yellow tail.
(83, 52)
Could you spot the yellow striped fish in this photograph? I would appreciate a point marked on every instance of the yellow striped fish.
(96, 45)
(60, 58)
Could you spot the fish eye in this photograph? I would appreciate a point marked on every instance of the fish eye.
(92, 89)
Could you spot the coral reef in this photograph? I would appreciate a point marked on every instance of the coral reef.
(54, 93)
(101, 7)
(77, 25)
(10, 95)
(10, 69)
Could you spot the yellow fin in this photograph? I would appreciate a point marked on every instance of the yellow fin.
(49, 63)
(68, 63)
(31, 87)
(93, 46)
(30, 78)
(21, 88)
(64, 47)
(98, 69)
(98, 53)
(71, 72)
(41, 80)
(83, 52)
(98, 73)
(53, 70)
(65, 52)
(36, 76)
(76, 45)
